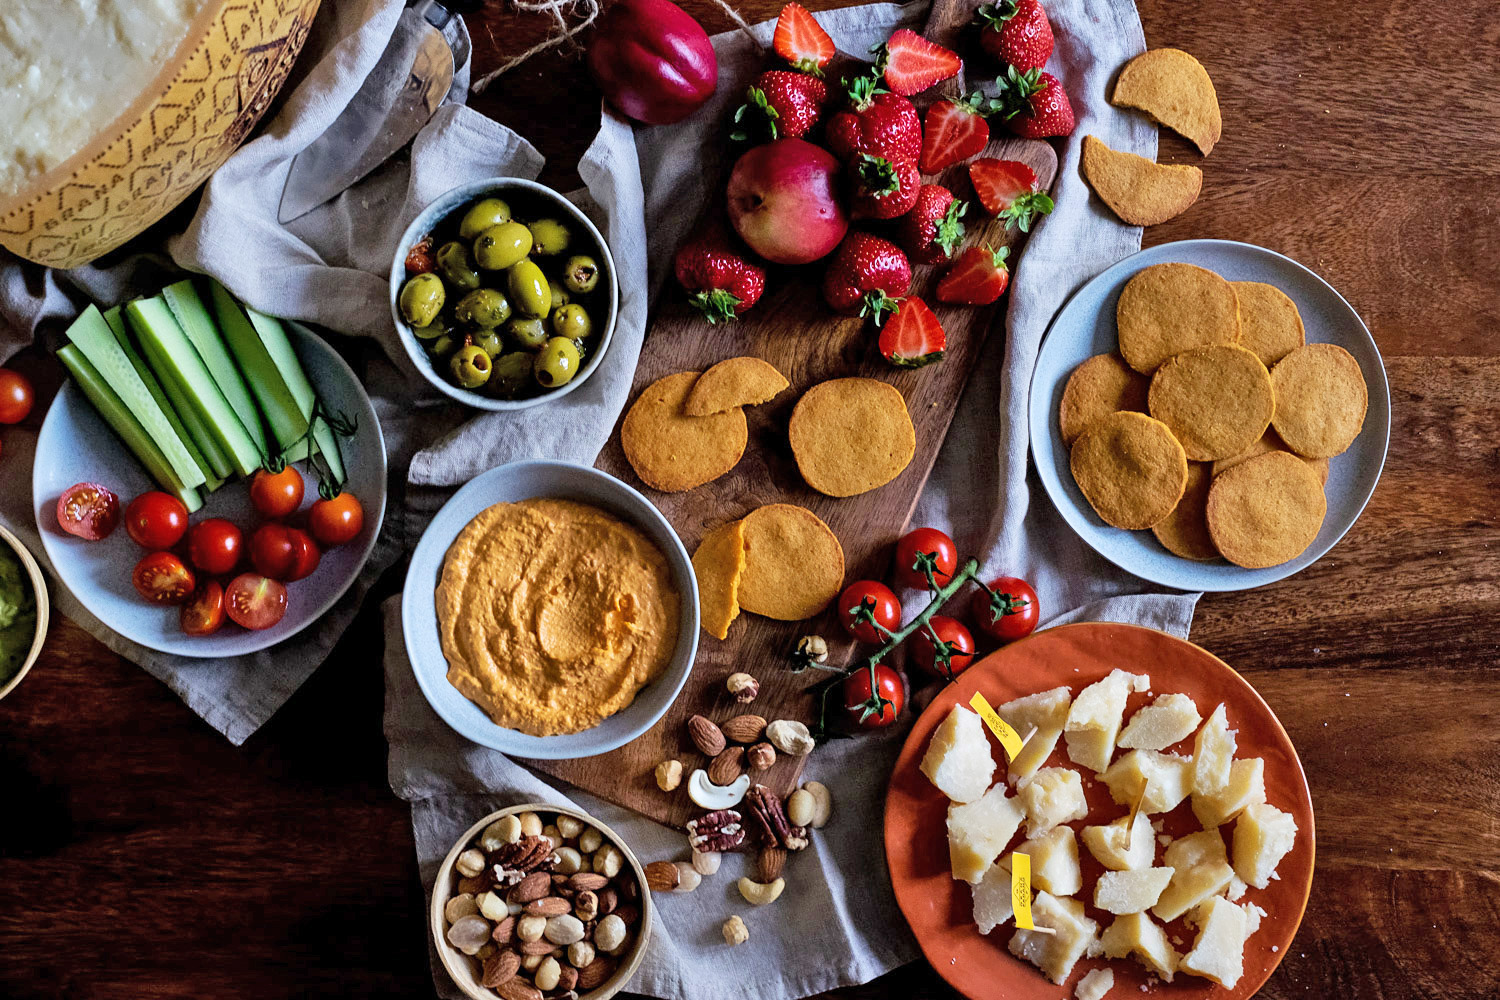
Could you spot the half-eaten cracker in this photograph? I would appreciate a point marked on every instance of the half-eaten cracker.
(1174, 89)
(672, 451)
(1141, 192)
(794, 564)
(717, 564)
(734, 382)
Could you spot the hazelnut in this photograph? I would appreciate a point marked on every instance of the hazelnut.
(569, 826)
(547, 974)
(744, 687)
(609, 933)
(669, 775)
(531, 824)
(760, 757)
(688, 877)
(812, 649)
(735, 931)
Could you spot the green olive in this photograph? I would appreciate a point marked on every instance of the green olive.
(432, 331)
(528, 332)
(580, 274)
(557, 363)
(443, 345)
(498, 247)
(485, 213)
(422, 299)
(484, 307)
(489, 341)
(470, 367)
(512, 374)
(528, 288)
(456, 267)
(560, 296)
(548, 237)
(572, 321)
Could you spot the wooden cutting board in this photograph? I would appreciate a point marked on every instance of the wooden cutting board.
(792, 329)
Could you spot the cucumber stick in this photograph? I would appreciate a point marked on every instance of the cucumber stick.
(118, 416)
(188, 309)
(173, 357)
(273, 335)
(198, 438)
(96, 342)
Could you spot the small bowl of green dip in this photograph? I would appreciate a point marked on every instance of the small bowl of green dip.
(23, 612)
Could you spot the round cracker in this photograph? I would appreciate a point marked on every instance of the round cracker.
(1270, 324)
(1141, 192)
(851, 435)
(1100, 386)
(1271, 441)
(1185, 530)
(794, 564)
(717, 565)
(1130, 468)
(1170, 308)
(1266, 510)
(1217, 400)
(1321, 398)
(1174, 89)
(672, 451)
(734, 382)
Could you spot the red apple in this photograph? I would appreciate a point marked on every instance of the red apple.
(783, 201)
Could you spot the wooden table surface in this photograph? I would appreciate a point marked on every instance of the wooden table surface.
(143, 855)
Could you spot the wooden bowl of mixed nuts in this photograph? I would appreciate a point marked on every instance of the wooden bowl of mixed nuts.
(540, 902)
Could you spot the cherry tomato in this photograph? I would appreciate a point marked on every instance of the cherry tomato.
(860, 703)
(305, 555)
(156, 520)
(276, 494)
(254, 601)
(336, 521)
(1008, 610)
(215, 545)
(865, 604)
(16, 396)
(924, 545)
(273, 550)
(204, 611)
(88, 510)
(956, 639)
(162, 578)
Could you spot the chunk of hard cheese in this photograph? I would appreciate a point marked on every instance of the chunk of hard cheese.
(1166, 779)
(1054, 861)
(1263, 835)
(1118, 849)
(993, 903)
(1219, 950)
(1166, 720)
(1094, 719)
(1247, 785)
(1213, 752)
(1253, 916)
(1055, 954)
(1047, 712)
(978, 831)
(1094, 985)
(958, 760)
(1200, 870)
(1130, 891)
(1051, 796)
(1137, 934)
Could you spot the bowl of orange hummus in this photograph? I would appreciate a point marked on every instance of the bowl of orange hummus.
(550, 611)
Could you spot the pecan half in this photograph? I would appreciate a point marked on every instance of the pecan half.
(513, 862)
(769, 816)
(721, 830)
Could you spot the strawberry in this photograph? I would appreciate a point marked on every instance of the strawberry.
(865, 276)
(911, 64)
(1006, 189)
(780, 103)
(801, 40)
(1036, 106)
(1015, 32)
(955, 130)
(977, 278)
(880, 189)
(931, 230)
(721, 281)
(912, 337)
(876, 122)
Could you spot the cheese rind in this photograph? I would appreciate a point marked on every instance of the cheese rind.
(1247, 786)
(978, 831)
(1213, 753)
(1138, 935)
(1052, 796)
(1055, 954)
(1130, 891)
(1167, 720)
(958, 760)
(1263, 835)
(1218, 953)
(1165, 778)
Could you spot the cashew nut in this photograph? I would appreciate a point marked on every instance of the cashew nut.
(760, 893)
(712, 797)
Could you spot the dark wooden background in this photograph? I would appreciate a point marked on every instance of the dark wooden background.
(142, 855)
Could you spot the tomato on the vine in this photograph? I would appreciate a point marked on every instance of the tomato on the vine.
(337, 520)
(958, 644)
(277, 494)
(88, 510)
(1006, 610)
(860, 700)
(16, 396)
(203, 614)
(156, 520)
(162, 578)
(215, 545)
(924, 547)
(866, 604)
(254, 601)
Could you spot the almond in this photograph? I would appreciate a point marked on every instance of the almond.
(587, 880)
(518, 989)
(533, 886)
(608, 900)
(499, 967)
(662, 876)
(550, 906)
(707, 737)
(629, 913)
(504, 931)
(475, 884)
(727, 766)
(591, 976)
(745, 729)
(769, 864)
(540, 947)
(567, 978)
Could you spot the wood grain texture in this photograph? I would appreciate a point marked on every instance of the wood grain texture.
(142, 855)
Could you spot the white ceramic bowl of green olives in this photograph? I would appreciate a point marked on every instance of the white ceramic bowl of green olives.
(504, 294)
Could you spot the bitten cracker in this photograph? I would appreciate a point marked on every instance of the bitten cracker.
(1169, 308)
(851, 435)
(1141, 192)
(734, 382)
(794, 564)
(1321, 398)
(1174, 89)
(1185, 531)
(717, 564)
(1098, 387)
(1130, 468)
(672, 451)
(1270, 324)
(1266, 511)
(1217, 400)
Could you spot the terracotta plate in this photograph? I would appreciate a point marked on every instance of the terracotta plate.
(939, 909)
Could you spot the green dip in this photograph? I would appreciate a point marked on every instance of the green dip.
(17, 614)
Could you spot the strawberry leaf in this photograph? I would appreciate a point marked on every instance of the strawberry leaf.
(756, 113)
(716, 304)
(950, 231)
(1026, 208)
(876, 175)
(877, 304)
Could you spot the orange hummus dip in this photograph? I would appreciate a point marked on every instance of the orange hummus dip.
(554, 614)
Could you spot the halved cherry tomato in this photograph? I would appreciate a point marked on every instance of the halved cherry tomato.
(276, 494)
(305, 555)
(162, 578)
(865, 604)
(860, 701)
(336, 521)
(203, 614)
(1007, 610)
(214, 546)
(156, 520)
(254, 601)
(88, 510)
(958, 642)
(924, 546)
(16, 396)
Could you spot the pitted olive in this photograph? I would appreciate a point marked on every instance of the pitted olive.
(456, 267)
(557, 363)
(580, 274)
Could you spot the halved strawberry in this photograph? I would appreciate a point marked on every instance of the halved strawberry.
(801, 40)
(977, 278)
(911, 64)
(912, 336)
(1006, 189)
(955, 130)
